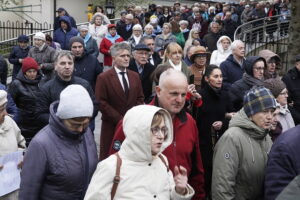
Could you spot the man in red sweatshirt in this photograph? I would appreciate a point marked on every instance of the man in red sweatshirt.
(171, 95)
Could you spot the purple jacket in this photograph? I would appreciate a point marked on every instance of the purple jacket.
(58, 164)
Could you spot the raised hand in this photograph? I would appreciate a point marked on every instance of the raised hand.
(180, 179)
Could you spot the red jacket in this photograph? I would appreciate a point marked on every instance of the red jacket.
(183, 151)
(104, 48)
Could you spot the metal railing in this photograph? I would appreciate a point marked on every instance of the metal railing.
(266, 33)
(6, 45)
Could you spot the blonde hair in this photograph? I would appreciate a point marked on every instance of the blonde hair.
(157, 119)
(172, 48)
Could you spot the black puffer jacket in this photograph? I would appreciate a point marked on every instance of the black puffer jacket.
(242, 86)
(292, 81)
(24, 92)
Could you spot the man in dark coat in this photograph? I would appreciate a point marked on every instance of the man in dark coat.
(229, 26)
(139, 64)
(63, 34)
(86, 65)
(154, 57)
(50, 91)
(292, 81)
(233, 67)
(125, 30)
(3, 70)
(18, 53)
(62, 12)
(117, 90)
(62, 158)
(197, 22)
(212, 37)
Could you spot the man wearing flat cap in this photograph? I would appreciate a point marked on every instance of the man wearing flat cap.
(139, 63)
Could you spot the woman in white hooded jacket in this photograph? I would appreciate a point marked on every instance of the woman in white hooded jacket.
(143, 173)
(223, 51)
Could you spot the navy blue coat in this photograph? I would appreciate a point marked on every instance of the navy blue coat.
(88, 68)
(17, 53)
(283, 163)
(57, 23)
(231, 71)
(62, 37)
(59, 163)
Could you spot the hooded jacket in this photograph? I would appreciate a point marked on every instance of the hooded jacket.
(242, 86)
(139, 166)
(220, 55)
(59, 163)
(267, 55)
(57, 23)
(63, 36)
(17, 53)
(24, 92)
(240, 159)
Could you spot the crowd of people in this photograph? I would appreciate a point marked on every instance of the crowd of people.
(184, 113)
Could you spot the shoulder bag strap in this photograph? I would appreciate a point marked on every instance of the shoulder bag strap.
(117, 176)
(164, 161)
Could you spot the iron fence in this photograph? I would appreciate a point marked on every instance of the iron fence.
(267, 33)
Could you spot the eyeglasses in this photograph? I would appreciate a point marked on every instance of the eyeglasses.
(259, 69)
(156, 130)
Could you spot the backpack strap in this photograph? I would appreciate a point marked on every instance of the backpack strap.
(164, 161)
(117, 176)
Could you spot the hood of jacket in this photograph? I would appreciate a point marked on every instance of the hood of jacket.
(59, 128)
(219, 45)
(241, 120)
(137, 129)
(249, 63)
(65, 19)
(267, 55)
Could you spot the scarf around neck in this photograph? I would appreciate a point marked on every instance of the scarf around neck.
(111, 38)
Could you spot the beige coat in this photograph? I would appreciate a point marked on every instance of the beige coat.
(143, 176)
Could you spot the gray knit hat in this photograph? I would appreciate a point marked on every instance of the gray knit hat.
(76, 39)
(257, 100)
(74, 102)
(275, 85)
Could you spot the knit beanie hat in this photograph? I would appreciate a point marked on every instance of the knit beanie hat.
(74, 102)
(83, 27)
(3, 97)
(257, 100)
(40, 36)
(23, 38)
(275, 85)
(29, 63)
(76, 39)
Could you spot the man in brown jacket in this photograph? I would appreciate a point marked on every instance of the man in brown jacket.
(117, 90)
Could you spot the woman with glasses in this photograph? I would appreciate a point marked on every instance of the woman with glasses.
(143, 172)
(255, 67)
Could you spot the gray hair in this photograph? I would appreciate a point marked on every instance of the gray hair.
(148, 26)
(119, 46)
(63, 53)
(146, 37)
(168, 24)
(97, 14)
(170, 73)
(235, 44)
(183, 22)
(212, 23)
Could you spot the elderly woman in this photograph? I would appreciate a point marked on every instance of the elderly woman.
(223, 51)
(90, 44)
(62, 157)
(98, 29)
(173, 57)
(24, 91)
(137, 32)
(184, 28)
(148, 31)
(148, 131)
(11, 140)
(241, 154)
(162, 40)
(279, 91)
(253, 76)
(110, 38)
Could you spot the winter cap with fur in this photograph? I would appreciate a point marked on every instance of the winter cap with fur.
(3, 97)
(74, 102)
(40, 36)
(29, 63)
(258, 99)
(275, 85)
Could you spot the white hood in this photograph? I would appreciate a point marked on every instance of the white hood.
(219, 45)
(136, 126)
